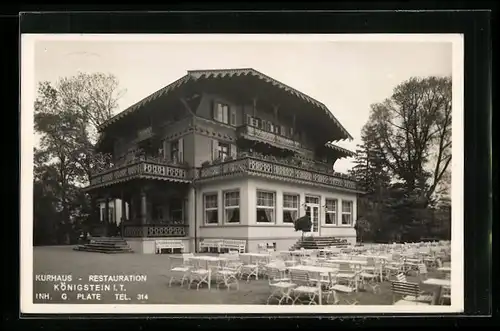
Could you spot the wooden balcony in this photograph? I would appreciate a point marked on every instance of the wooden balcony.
(155, 230)
(277, 170)
(141, 168)
(252, 133)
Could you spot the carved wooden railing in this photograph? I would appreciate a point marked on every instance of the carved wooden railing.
(144, 167)
(155, 230)
(274, 169)
(270, 137)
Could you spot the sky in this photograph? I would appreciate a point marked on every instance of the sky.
(346, 76)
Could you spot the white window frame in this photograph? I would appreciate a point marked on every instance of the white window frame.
(226, 208)
(331, 212)
(273, 208)
(174, 152)
(351, 213)
(205, 209)
(292, 209)
(220, 154)
(224, 115)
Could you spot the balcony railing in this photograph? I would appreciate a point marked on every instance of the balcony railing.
(253, 165)
(253, 133)
(154, 230)
(141, 168)
(290, 169)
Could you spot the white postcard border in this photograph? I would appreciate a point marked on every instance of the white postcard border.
(28, 90)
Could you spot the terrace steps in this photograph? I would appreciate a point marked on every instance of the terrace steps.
(319, 242)
(109, 245)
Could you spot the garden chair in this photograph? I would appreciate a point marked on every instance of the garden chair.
(303, 288)
(227, 276)
(179, 269)
(199, 274)
(339, 292)
(248, 268)
(280, 285)
(411, 294)
(346, 275)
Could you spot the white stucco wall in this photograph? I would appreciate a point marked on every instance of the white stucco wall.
(283, 230)
(222, 229)
(249, 229)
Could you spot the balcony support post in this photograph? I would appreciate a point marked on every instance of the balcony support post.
(143, 207)
(124, 212)
(106, 215)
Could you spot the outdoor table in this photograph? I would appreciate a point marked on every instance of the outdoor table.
(445, 269)
(256, 255)
(208, 259)
(354, 262)
(439, 283)
(317, 270)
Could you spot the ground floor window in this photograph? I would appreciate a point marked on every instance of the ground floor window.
(347, 212)
(111, 214)
(266, 207)
(176, 210)
(331, 211)
(232, 207)
(211, 208)
(290, 207)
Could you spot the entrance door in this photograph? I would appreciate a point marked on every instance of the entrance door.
(313, 211)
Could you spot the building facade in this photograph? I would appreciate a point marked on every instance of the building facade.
(225, 154)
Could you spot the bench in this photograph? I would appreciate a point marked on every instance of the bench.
(169, 244)
(221, 245)
(209, 244)
(234, 245)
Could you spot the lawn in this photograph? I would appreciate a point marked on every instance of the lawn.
(62, 260)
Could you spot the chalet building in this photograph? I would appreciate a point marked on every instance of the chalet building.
(225, 154)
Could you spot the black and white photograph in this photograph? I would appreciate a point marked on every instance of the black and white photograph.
(242, 173)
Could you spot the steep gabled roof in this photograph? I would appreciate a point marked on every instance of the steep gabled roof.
(193, 75)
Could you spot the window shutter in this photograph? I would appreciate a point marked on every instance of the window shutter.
(213, 110)
(233, 151)
(215, 149)
(232, 116)
(166, 149)
(181, 150)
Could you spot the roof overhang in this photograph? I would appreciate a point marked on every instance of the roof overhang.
(195, 75)
(342, 151)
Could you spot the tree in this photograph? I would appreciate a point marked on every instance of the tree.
(413, 133)
(67, 116)
(403, 162)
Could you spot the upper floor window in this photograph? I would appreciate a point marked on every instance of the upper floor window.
(221, 112)
(223, 151)
(176, 149)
